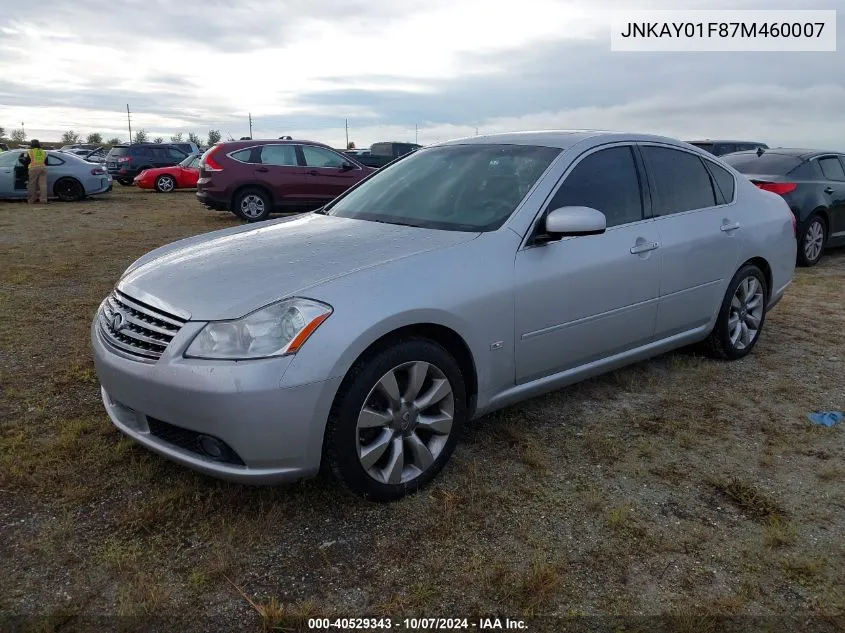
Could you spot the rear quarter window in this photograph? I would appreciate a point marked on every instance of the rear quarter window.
(243, 155)
(725, 183)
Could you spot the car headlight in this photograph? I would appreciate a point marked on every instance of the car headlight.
(275, 330)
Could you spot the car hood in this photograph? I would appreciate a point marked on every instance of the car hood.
(227, 274)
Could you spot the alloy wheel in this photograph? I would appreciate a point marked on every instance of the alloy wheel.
(166, 184)
(405, 422)
(814, 240)
(746, 312)
(252, 206)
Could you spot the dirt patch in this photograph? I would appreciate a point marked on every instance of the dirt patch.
(678, 486)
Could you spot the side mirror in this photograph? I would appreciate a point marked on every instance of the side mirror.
(570, 221)
(346, 167)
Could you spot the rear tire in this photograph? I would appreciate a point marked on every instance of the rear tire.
(69, 190)
(126, 182)
(383, 447)
(741, 317)
(811, 241)
(252, 205)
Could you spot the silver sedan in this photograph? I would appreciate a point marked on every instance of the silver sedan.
(68, 177)
(463, 278)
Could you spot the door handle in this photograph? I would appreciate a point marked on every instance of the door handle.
(828, 189)
(644, 248)
(729, 227)
(312, 172)
(262, 169)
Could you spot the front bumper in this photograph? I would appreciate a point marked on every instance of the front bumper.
(273, 426)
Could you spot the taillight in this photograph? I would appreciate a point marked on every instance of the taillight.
(780, 188)
(209, 164)
(124, 159)
(98, 171)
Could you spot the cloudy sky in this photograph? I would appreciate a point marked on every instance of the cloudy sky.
(302, 67)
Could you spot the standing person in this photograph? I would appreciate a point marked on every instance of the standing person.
(36, 159)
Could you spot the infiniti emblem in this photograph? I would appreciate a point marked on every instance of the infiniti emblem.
(117, 322)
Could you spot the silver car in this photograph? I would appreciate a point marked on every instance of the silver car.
(69, 177)
(465, 277)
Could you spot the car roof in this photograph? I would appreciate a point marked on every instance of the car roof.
(723, 140)
(562, 139)
(797, 152)
(270, 141)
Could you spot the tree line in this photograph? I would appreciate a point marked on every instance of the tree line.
(71, 138)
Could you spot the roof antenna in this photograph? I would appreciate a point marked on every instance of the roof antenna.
(760, 151)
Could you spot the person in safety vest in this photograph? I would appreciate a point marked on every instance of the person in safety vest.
(36, 159)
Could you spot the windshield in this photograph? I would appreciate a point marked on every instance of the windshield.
(766, 163)
(190, 161)
(454, 187)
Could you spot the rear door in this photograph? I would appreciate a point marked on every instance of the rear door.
(328, 174)
(699, 234)
(833, 169)
(278, 169)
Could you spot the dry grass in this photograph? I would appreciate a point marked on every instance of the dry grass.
(679, 486)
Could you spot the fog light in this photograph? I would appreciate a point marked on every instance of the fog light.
(211, 446)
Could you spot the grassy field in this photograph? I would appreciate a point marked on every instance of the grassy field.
(679, 487)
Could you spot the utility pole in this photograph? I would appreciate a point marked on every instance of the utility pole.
(416, 134)
(129, 121)
(250, 125)
(347, 133)
(23, 129)
(476, 130)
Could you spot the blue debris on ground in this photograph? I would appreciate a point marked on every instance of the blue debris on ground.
(826, 418)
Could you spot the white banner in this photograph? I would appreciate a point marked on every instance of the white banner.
(716, 30)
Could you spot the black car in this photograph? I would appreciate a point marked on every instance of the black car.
(4, 147)
(124, 162)
(813, 184)
(380, 154)
(720, 148)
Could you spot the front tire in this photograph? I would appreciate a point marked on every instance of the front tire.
(165, 183)
(741, 316)
(252, 205)
(396, 420)
(811, 241)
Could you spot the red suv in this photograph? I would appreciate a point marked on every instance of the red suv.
(254, 178)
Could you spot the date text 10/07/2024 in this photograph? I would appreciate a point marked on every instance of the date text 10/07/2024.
(418, 624)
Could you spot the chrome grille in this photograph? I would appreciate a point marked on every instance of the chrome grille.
(139, 330)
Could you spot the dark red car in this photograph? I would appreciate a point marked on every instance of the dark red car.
(166, 179)
(254, 178)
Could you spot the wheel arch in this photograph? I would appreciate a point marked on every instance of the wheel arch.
(251, 185)
(67, 178)
(765, 268)
(441, 334)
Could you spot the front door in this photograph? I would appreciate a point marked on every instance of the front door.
(582, 299)
(833, 169)
(326, 177)
(8, 173)
(700, 236)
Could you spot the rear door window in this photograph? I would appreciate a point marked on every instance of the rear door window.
(680, 181)
(726, 148)
(175, 154)
(279, 155)
(832, 168)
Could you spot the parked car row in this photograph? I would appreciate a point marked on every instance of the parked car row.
(460, 279)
